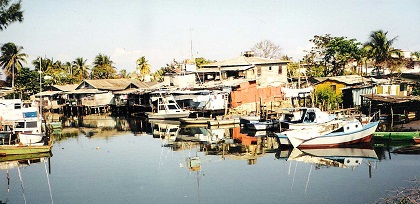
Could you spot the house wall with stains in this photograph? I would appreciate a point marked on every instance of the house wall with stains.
(248, 92)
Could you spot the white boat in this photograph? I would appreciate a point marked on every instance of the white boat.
(263, 125)
(164, 106)
(23, 120)
(349, 133)
(309, 117)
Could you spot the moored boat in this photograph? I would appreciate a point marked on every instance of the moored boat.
(164, 106)
(309, 117)
(349, 133)
(24, 149)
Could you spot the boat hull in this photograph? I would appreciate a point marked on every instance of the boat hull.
(194, 120)
(23, 149)
(30, 138)
(223, 122)
(164, 116)
(335, 139)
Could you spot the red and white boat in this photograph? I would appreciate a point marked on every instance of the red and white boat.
(348, 133)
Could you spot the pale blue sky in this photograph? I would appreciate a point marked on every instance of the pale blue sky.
(221, 29)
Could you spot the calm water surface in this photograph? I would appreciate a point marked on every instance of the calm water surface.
(197, 165)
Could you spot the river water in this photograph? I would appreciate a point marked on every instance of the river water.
(102, 159)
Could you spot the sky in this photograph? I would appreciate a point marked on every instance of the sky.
(163, 30)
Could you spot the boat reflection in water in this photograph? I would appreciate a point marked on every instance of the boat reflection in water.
(333, 157)
(22, 161)
(226, 141)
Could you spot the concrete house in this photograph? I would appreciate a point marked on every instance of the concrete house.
(263, 70)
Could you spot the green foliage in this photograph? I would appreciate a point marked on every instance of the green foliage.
(200, 61)
(327, 98)
(27, 82)
(416, 90)
(379, 48)
(11, 60)
(9, 14)
(102, 68)
(292, 69)
(160, 73)
(331, 54)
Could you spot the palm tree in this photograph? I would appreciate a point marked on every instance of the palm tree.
(11, 14)
(102, 67)
(143, 67)
(379, 48)
(82, 67)
(11, 60)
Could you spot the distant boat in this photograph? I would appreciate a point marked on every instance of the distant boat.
(349, 133)
(164, 106)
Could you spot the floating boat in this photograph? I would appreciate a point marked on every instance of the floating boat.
(199, 120)
(219, 122)
(263, 125)
(416, 140)
(164, 106)
(6, 150)
(348, 133)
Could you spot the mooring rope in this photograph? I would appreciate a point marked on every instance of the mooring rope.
(48, 179)
(21, 184)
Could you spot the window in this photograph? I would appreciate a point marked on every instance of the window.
(280, 70)
(269, 68)
(334, 87)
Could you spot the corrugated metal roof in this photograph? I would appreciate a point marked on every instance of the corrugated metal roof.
(348, 79)
(67, 87)
(391, 98)
(118, 84)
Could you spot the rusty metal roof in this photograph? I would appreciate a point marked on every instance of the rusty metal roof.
(391, 98)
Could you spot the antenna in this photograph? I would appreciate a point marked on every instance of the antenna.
(191, 45)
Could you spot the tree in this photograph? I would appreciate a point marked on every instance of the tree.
(200, 61)
(292, 69)
(416, 55)
(27, 82)
(123, 74)
(9, 14)
(81, 67)
(332, 54)
(11, 60)
(102, 68)
(327, 98)
(143, 67)
(380, 48)
(267, 49)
